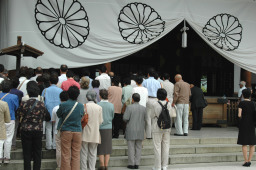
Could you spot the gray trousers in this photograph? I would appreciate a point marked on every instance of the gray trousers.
(182, 118)
(149, 112)
(161, 142)
(88, 154)
(134, 152)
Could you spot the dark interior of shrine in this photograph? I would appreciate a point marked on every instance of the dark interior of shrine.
(198, 63)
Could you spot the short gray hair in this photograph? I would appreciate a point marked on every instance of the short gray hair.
(91, 95)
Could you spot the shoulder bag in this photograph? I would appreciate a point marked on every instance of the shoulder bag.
(58, 134)
(21, 84)
(4, 96)
(85, 118)
(173, 111)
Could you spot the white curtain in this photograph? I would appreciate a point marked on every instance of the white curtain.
(89, 32)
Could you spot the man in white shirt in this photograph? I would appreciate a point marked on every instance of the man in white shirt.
(23, 80)
(142, 91)
(55, 121)
(105, 81)
(38, 72)
(62, 77)
(242, 87)
(168, 86)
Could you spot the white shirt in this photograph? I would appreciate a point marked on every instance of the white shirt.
(55, 118)
(133, 83)
(105, 81)
(169, 87)
(143, 92)
(62, 78)
(35, 77)
(1, 79)
(23, 88)
(240, 92)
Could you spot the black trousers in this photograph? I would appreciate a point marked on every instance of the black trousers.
(197, 115)
(32, 148)
(117, 122)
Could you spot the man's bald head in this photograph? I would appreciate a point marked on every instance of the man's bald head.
(178, 77)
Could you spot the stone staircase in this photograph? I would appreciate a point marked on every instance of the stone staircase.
(183, 150)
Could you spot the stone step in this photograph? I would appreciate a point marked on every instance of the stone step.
(207, 158)
(46, 154)
(173, 141)
(182, 149)
(149, 150)
(197, 166)
(148, 160)
(49, 164)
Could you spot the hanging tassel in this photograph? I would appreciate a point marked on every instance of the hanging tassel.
(184, 36)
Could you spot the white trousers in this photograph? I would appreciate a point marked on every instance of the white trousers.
(1, 149)
(134, 152)
(149, 108)
(44, 127)
(58, 150)
(48, 134)
(88, 154)
(161, 142)
(182, 118)
(7, 144)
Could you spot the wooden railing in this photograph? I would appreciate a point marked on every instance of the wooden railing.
(232, 111)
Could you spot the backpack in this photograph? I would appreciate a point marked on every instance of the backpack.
(164, 119)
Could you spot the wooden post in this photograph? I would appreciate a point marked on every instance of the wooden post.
(19, 40)
(18, 62)
(247, 77)
(108, 66)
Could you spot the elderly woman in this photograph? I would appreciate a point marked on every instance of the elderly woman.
(70, 130)
(105, 148)
(135, 115)
(84, 84)
(91, 133)
(246, 135)
(161, 137)
(32, 113)
(96, 85)
(4, 118)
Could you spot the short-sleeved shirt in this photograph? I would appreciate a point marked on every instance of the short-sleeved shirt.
(32, 121)
(55, 118)
(13, 103)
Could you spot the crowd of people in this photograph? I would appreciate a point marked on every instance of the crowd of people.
(39, 105)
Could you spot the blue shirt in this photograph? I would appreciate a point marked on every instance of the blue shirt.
(108, 114)
(51, 97)
(13, 103)
(152, 85)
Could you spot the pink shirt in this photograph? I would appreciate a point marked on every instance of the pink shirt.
(68, 83)
(115, 97)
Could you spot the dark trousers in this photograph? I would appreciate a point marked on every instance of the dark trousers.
(32, 148)
(197, 115)
(117, 121)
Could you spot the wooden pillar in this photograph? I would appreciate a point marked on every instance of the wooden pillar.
(18, 62)
(18, 57)
(247, 77)
(108, 66)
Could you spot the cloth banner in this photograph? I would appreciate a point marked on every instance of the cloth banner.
(89, 32)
